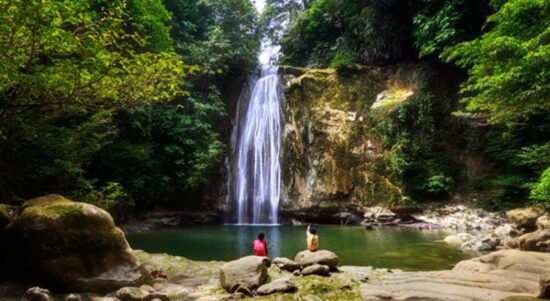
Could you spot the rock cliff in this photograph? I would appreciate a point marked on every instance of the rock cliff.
(331, 161)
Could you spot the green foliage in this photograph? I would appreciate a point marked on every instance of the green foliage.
(440, 24)
(77, 55)
(342, 59)
(218, 35)
(508, 65)
(540, 193)
(151, 20)
(84, 87)
(536, 156)
(411, 130)
(439, 184)
(336, 31)
(110, 197)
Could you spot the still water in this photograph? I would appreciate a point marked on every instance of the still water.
(405, 249)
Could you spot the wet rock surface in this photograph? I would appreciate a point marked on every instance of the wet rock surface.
(495, 276)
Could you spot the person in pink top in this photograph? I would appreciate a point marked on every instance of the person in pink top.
(260, 245)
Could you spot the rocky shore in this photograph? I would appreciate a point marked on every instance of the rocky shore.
(54, 249)
(502, 275)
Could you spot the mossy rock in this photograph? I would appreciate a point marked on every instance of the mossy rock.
(57, 242)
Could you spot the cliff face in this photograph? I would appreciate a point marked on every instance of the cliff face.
(331, 161)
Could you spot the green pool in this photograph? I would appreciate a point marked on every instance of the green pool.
(405, 249)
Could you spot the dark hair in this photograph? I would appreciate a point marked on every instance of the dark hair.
(261, 236)
(312, 230)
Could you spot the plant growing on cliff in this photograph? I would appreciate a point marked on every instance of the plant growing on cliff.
(540, 193)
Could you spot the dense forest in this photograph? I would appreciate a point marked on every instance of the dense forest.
(127, 103)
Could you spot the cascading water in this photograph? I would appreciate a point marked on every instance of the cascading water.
(258, 172)
(254, 182)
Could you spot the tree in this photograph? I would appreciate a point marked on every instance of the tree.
(508, 66)
(77, 55)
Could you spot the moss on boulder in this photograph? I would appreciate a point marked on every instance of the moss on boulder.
(57, 242)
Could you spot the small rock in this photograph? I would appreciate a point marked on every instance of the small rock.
(458, 239)
(280, 285)
(73, 297)
(37, 294)
(285, 264)
(297, 272)
(131, 294)
(505, 230)
(545, 286)
(482, 243)
(316, 269)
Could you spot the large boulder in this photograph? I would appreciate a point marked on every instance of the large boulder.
(524, 219)
(248, 272)
(68, 245)
(534, 241)
(321, 257)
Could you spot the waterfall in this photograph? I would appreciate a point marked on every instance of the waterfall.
(257, 150)
(254, 181)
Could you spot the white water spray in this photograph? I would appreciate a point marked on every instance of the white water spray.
(254, 182)
(258, 172)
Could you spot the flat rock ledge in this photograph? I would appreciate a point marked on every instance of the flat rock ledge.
(496, 276)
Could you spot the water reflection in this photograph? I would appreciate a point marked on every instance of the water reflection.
(381, 247)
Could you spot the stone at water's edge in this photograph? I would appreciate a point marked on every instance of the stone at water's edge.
(495, 276)
(321, 257)
(534, 241)
(525, 218)
(248, 272)
(68, 245)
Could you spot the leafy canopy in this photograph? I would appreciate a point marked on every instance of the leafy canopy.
(78, 54)
(509, 66)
